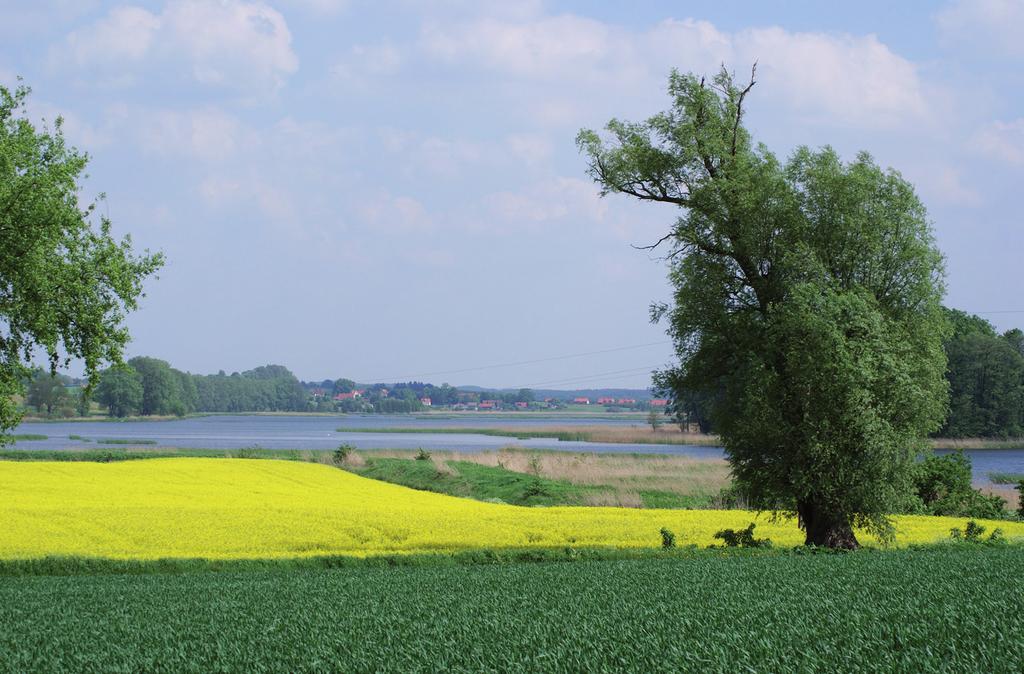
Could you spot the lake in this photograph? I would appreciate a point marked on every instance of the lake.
(320, 432)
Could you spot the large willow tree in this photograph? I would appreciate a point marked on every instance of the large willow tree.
(806, 305)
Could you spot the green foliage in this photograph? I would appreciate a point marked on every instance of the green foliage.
(973, 532)
(28, 436)
(986, 377)
(422, 455)
(1020, 499)
(67, 284)
(120, 389)
(342, 453)
(394, 406)
(668, 539)
(268, 388)
(654, 419)
(47, 393)
(918, 611)
(744, 538)
(942, 486)
(472, 480)
(806, 305)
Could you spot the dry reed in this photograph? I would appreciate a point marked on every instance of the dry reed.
(624, 474)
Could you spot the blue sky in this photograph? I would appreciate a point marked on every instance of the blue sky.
(390, 189)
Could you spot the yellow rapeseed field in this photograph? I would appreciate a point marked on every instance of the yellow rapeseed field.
(233, 508)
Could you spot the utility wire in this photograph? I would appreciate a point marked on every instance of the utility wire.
(634, 370)
(584, 354)
(524, 362)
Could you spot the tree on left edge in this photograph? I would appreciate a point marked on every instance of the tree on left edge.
(66, 284)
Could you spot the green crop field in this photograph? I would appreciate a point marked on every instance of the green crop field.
(941, 609)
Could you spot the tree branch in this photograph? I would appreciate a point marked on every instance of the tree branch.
(739, 106)
(655, 244)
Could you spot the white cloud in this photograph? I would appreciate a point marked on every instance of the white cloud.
(990, 26)
(529, 148)
(244, 46)
(273, 202)
(1002, 140)
(853, 80)
(548, 47)
(432, 155)
(125, 34)
(320, 6)
(549, 200)
(857, 80)
(388, 213)
(207, 134)
(364, 64)
(943, 183)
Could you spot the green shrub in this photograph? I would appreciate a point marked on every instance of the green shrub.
(534, 489)
(744, 538)
(973, 532)
(341, 454)
(422, 455)
(668, 539)
(1020, 499)
(247, 452)
(942, 486)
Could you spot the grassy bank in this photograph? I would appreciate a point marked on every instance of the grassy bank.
(524, 477)
(636, 435)
(943, 609)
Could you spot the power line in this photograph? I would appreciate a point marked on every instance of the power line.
(573, 380)
(569, 356)
(523, 362)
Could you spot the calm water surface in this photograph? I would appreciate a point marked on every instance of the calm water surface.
(319, 432)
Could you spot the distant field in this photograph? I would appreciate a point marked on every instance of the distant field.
(251, 509)
(942, 609)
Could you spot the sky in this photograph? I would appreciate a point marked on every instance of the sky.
(390, 191)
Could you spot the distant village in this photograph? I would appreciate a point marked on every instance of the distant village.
(345, 396)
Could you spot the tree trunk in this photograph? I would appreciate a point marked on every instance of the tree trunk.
(825, 528)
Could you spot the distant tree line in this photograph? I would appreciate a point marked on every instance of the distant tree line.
(149, 386)
(985, 376)
(986, 379)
